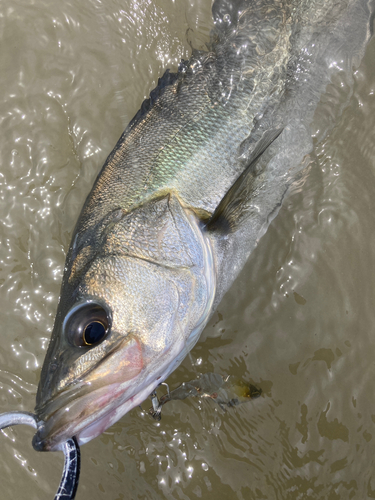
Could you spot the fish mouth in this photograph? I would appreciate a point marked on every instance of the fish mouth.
(86, 417)
(77, 420)
(87, 407)
(85, 411)
(73, 417)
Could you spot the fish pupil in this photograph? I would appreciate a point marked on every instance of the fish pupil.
(94, 333)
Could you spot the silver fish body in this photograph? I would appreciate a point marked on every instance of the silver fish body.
(182, 200)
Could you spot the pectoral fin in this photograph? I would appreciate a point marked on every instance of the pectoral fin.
(232, 209)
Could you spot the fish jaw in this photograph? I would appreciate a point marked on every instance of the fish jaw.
(85, 412)
(90, 399)
(71, 419)
(159, 312)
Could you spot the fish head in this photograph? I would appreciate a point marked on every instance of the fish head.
(124, 322)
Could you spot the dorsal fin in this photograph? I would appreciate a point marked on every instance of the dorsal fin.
(167, 79)
(231, 211)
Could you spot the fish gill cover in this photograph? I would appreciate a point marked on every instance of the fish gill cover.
(182, 200)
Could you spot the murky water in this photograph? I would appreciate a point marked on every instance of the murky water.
(299, 322)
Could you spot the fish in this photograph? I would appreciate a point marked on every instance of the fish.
(183, 199)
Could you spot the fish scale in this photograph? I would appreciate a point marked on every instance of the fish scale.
(182, 200)
(196, 118)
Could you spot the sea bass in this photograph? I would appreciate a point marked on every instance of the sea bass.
(182, 200)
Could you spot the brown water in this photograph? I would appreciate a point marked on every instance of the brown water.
(299, 322)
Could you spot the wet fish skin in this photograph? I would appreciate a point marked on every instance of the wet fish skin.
(154, 272)
(142, 250)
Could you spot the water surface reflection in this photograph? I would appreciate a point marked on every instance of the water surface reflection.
(298, 322)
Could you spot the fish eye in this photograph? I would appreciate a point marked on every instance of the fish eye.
(87, 324)
(93, 333)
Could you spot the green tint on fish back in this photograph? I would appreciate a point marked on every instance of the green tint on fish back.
(182, 200)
